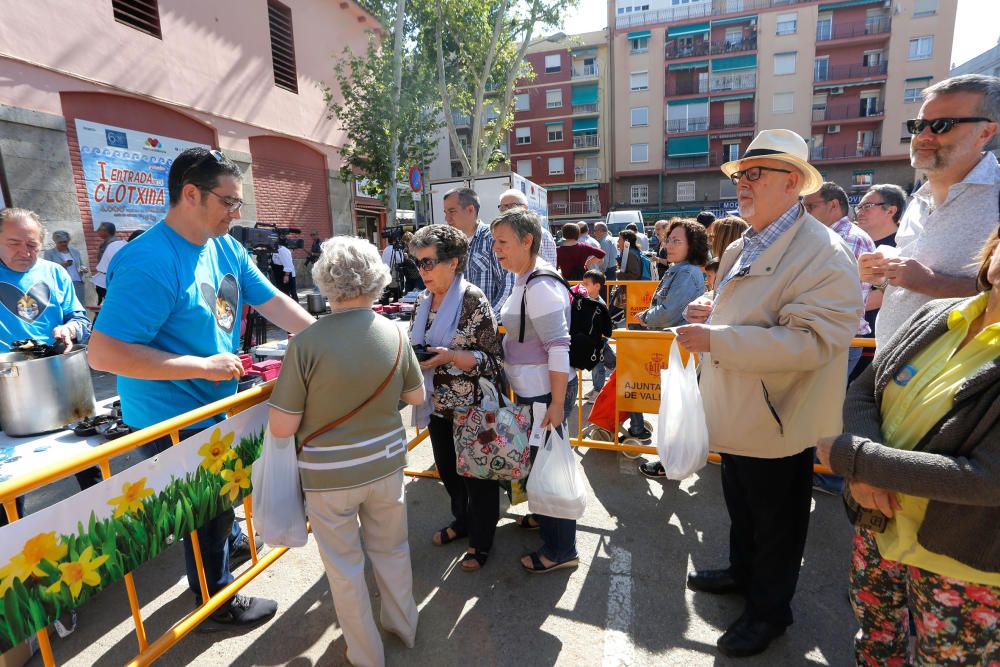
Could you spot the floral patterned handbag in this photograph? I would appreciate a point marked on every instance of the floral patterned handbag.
(491, 439)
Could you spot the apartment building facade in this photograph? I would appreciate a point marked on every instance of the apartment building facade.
(562, 122)
(695, 80)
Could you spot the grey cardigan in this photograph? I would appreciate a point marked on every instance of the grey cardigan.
(956, 464)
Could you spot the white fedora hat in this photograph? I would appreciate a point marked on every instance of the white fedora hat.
(785, 146)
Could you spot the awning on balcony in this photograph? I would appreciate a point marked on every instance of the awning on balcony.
(733, 98)
(554, 122)
(696, 100)
(585, 94)
(685, 30)
(585, 52)
(685, 146)
(639, 34)
(856, 84)
(919, 78)
(848, 3)
(734, 63)
(738, 19)
(584, 125)
(695, 65)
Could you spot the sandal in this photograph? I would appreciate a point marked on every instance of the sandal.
(117, 430)
(478, 557)
(88, 426)
(442, 535)
(525, 522)
(537, 567)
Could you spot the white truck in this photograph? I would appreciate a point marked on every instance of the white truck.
(489, 188)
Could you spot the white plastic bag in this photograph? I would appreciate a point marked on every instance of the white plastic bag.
(278, 512)
(556, 486)
(681, 431)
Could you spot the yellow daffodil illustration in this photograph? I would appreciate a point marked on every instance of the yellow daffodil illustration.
(131, 498)
(216, 451)
(40, 547)
(236, 479)
(80, 572)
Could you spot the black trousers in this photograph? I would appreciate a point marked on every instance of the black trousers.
(768, 502)
(475, 503)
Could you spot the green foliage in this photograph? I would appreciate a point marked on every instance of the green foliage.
(367, 107)
(128, 541)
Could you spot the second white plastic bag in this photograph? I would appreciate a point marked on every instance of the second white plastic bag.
(556, 485)
(278, 512)
(681, 431)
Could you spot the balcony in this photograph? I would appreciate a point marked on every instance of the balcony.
(574, 208)
(581, 174)
(842, 72)
(845, 112)
(821, 153)
(876, 25)
(673, 50)
(686, 124)
(720, 82)
(721, 8)
(695, 161)
(461, 119)
(586, 141)
(585, 108)
(686, 87)
(728, 122)
(583, 71)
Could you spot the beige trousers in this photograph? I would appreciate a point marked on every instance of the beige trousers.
(380, 510)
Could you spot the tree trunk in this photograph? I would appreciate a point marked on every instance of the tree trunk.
(397, 73)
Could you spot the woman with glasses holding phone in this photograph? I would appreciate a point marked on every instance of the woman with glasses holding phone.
(921, 455)
(454, 332)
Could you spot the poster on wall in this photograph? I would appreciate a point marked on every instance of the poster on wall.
(125, 172)
(59, 557)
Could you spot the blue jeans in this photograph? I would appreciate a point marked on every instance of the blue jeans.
(599, 375)
(572, 387)
(853, 357)
(214, 537)
(558, 535)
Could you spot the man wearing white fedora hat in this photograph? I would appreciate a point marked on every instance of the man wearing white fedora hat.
(775, 340)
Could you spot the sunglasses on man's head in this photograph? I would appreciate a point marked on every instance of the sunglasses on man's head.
(940, 125)
(215, 154)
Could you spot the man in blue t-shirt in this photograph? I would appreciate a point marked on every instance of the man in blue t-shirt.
(37, 302)
(170, 325)
(37, 296)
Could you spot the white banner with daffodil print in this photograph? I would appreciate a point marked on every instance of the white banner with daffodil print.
(57, 558)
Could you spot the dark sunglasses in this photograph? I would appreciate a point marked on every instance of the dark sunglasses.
(753, 173)
(940, 125)
(427, 263)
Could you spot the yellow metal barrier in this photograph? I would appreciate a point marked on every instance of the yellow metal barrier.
(101, 456)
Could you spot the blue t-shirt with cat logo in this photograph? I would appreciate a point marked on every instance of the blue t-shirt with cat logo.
(36, 301)
(176, 296)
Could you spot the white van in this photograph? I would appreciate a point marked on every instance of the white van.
(617, 220)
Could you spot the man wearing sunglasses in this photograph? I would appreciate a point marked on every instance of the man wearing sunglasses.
(775, 340)
(170, 325)
(952, 214)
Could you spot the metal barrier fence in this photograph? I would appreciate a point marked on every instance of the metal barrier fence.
(101, 457)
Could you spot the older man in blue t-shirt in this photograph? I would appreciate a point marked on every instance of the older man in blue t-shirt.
(170, 327)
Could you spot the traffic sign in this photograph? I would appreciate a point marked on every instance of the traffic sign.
(416, 179)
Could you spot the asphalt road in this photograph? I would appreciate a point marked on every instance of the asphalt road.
(625, 605)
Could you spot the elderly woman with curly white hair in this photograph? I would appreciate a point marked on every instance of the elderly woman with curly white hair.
(352, 473)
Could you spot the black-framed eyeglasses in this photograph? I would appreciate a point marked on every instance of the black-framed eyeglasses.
(940, 125)
(753, 173)
(232, 205)
(861, 208)
(427, 263)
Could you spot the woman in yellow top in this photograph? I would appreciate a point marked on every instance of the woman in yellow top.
(922, 459)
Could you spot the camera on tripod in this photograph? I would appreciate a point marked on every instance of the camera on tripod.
(265, 237)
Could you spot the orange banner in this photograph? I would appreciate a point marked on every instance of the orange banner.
(638, 295)
(641, 356)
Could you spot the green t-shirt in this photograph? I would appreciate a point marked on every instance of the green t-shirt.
(331, 368)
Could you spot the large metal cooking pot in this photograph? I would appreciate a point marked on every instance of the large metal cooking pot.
(39, 395)
(316, 304)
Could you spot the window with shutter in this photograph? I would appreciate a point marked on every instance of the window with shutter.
(143, 15)
(282, 46)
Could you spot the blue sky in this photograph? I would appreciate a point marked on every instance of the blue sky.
(978, 23)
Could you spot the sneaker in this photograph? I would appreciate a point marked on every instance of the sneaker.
(239, 551)
(644, 434)
(653, 470)
(241, 611)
